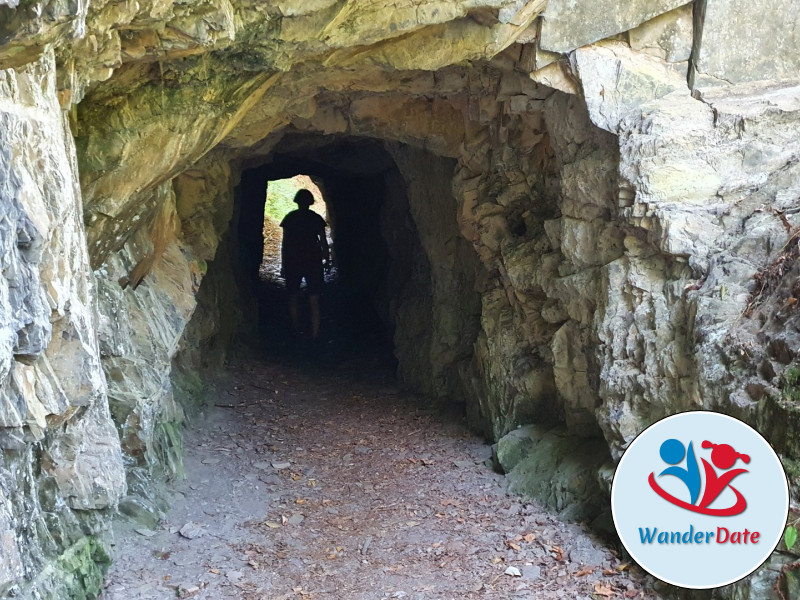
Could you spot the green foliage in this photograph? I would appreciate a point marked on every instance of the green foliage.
(790, 537)
(791, 384)
(280, 198)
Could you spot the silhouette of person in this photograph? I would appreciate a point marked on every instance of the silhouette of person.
(304, 252)
(672, 452)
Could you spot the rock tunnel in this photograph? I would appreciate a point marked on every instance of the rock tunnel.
(374, 253)
(557, 214)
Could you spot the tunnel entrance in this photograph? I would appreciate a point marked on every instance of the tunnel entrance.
(373, 238)
(279, 202)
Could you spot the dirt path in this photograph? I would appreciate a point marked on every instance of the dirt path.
(315, 486)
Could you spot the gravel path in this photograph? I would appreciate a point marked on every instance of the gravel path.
(304, 485)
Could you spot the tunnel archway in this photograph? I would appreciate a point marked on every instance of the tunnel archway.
(380, 302)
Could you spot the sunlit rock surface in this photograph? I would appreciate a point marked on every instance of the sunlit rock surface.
(592, 202)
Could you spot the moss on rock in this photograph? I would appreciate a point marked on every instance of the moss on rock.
(78, 573)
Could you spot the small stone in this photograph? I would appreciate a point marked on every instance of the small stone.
(588, 556)
(262, 464)
(531, 572)
(464, 464)
(145, 532)
(185, 592)
(234, 575)
(513, 572)
(210, 461)
(296, 519)
(191, 531)
(280, 466)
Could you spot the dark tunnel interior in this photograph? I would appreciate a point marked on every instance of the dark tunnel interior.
(375, 246)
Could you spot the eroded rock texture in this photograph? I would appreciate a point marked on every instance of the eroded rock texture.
(588, 209)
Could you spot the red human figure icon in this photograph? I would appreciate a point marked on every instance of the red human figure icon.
(724, 457)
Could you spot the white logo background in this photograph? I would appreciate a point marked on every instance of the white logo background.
(635, 505)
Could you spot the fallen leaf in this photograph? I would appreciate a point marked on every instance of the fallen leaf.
(558, 552)
(513, 546)
(529, 537)
(584, 571)
(272, 524)
(603, 590)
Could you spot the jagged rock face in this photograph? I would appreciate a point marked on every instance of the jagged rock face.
(572, 242)
(61, 458)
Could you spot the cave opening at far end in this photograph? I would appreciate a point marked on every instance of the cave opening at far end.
(378, 264)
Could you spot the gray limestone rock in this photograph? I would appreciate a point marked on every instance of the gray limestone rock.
(557, 469)
(743, 41)
(617, 80)
(568, 25)
(668, 36)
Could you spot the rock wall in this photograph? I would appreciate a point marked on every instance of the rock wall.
(448, 319)
(148, 293)
(604, 206)
(60, 461)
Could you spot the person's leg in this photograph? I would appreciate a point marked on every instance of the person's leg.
(293, 289)
(315, 281)
(294, 312)
(313, 300)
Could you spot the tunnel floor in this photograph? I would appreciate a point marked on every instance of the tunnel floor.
(351, 334)
(309, 484)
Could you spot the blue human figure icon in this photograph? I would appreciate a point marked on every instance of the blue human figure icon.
(672, 453)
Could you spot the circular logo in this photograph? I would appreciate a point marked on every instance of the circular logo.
(700, 500)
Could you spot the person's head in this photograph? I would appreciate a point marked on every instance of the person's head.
(304, 198)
